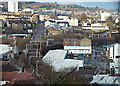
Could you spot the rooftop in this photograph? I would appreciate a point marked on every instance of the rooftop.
(19, 78)
(105, 80)
(4, 49)
(56, 58)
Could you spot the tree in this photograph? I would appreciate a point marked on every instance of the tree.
(92, 20)
(109, 19)
(35, 18)
(118, 25)
(83, 17)
(52, 16)
(111, 26)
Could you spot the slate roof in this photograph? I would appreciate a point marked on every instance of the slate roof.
(7, 66)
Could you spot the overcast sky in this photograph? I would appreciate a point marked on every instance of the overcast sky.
(68, 0)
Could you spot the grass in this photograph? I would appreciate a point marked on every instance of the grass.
(36, 25)
(2, 28)
(99, 30)
(79, 23)
(90, 57)
(70, 57)
(42, 8)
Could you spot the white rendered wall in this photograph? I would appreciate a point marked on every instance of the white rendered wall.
(116, 51)
(115, 64)
(78, 49)
(104, 16)
(111, 53)
(12, 6)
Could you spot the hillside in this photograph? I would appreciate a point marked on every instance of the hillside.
(42, 6)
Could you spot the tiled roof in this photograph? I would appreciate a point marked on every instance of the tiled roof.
(10, 76)
(31, 82)
(20, 78)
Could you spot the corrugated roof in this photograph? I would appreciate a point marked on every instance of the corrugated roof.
(4, 49)
(105, 80)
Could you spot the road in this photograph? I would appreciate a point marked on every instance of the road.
(100, 61)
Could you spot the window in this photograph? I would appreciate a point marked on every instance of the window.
(79, 50)
(117, 56)
(88, 50)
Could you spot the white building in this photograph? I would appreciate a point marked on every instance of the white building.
(104, 16)
(76, 46)
(117, 20)
(63, 17)
(56, 59)
(78, 49)
(64, 21)
(12, 6)
(85, 24)
(1, 6)
(73, 22)
(5, 51)
(114, 51)
(96, 26)
(61, 23)
(41, 18)
(114, 66)
(28, 10)
(114, 54)
(47, 23)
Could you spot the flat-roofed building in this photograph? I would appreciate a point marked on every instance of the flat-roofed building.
(57, 59)
(76, 46)
(113, 53)
(97, 26)
(12, 6)
(104, 16)
(5, 51)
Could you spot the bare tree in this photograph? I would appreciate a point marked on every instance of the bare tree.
(111, 26)
(83, 17)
